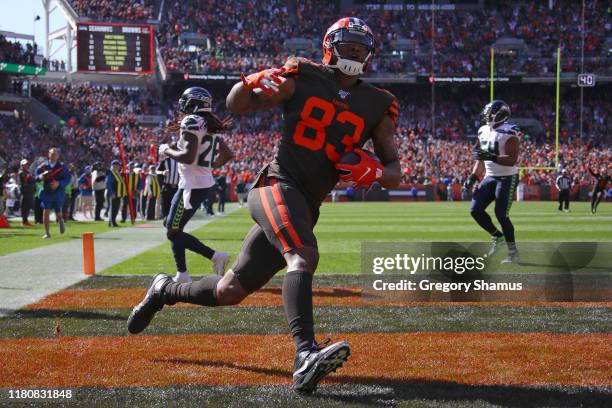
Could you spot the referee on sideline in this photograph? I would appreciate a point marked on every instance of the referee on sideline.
(564, 185)
(168, 168)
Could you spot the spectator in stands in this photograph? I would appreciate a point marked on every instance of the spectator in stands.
(16, 53)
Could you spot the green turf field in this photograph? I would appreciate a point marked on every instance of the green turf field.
(18, 238)
(430, 354)
(343, 226)
(435, 355)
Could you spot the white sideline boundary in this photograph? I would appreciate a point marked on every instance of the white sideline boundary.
(28, 276)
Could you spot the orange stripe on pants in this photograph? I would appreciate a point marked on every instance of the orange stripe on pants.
(268, 210)
(282, 209)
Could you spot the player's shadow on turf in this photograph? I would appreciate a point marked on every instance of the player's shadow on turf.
(562, 267)
(369, 389)
(446, 392)
(328, 293)
(223, 364)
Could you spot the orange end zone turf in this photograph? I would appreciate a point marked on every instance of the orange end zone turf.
(466, 358)
(71, 299)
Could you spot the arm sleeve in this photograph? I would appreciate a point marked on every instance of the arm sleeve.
(393, 111)
(392, 106)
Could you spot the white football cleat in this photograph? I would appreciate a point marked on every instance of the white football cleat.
(513, 257)
(220, 260)
(182, 277)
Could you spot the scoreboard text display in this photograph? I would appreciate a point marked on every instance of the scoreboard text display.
(123, 48)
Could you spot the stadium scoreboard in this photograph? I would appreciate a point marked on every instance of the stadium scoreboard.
(120, 48)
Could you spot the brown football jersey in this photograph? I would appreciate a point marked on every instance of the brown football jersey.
(322, 121)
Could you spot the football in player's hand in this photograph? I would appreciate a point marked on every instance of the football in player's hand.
(353, 158)
(360, 168)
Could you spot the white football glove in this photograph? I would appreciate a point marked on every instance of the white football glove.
(162, 151)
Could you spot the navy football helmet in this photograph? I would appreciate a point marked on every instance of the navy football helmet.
(495, 113)
(195, 100)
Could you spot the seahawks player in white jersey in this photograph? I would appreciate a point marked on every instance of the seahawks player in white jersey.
(198, 150)
(496, 157)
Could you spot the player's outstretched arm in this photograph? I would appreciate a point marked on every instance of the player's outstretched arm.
(263, 90)
(225, 154)
(384, 147)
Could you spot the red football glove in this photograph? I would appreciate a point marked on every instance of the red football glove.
(362, 174)
(266, 80)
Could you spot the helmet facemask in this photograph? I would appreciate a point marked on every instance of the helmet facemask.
(352, 65)
(496, 113)
(195, 100)
(340, 41)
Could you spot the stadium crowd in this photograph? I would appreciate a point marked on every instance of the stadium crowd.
(424, 159)
(89, 114)
(17, 53)
(92, 112)
(545, 29)
(118, 10)
(462, 38)
(428, 160)
(99, 106)
(247, 36)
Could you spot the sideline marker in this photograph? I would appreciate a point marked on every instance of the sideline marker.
(89, 262)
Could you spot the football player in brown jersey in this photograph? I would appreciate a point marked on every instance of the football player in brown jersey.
(599, 190)
(328, 111)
